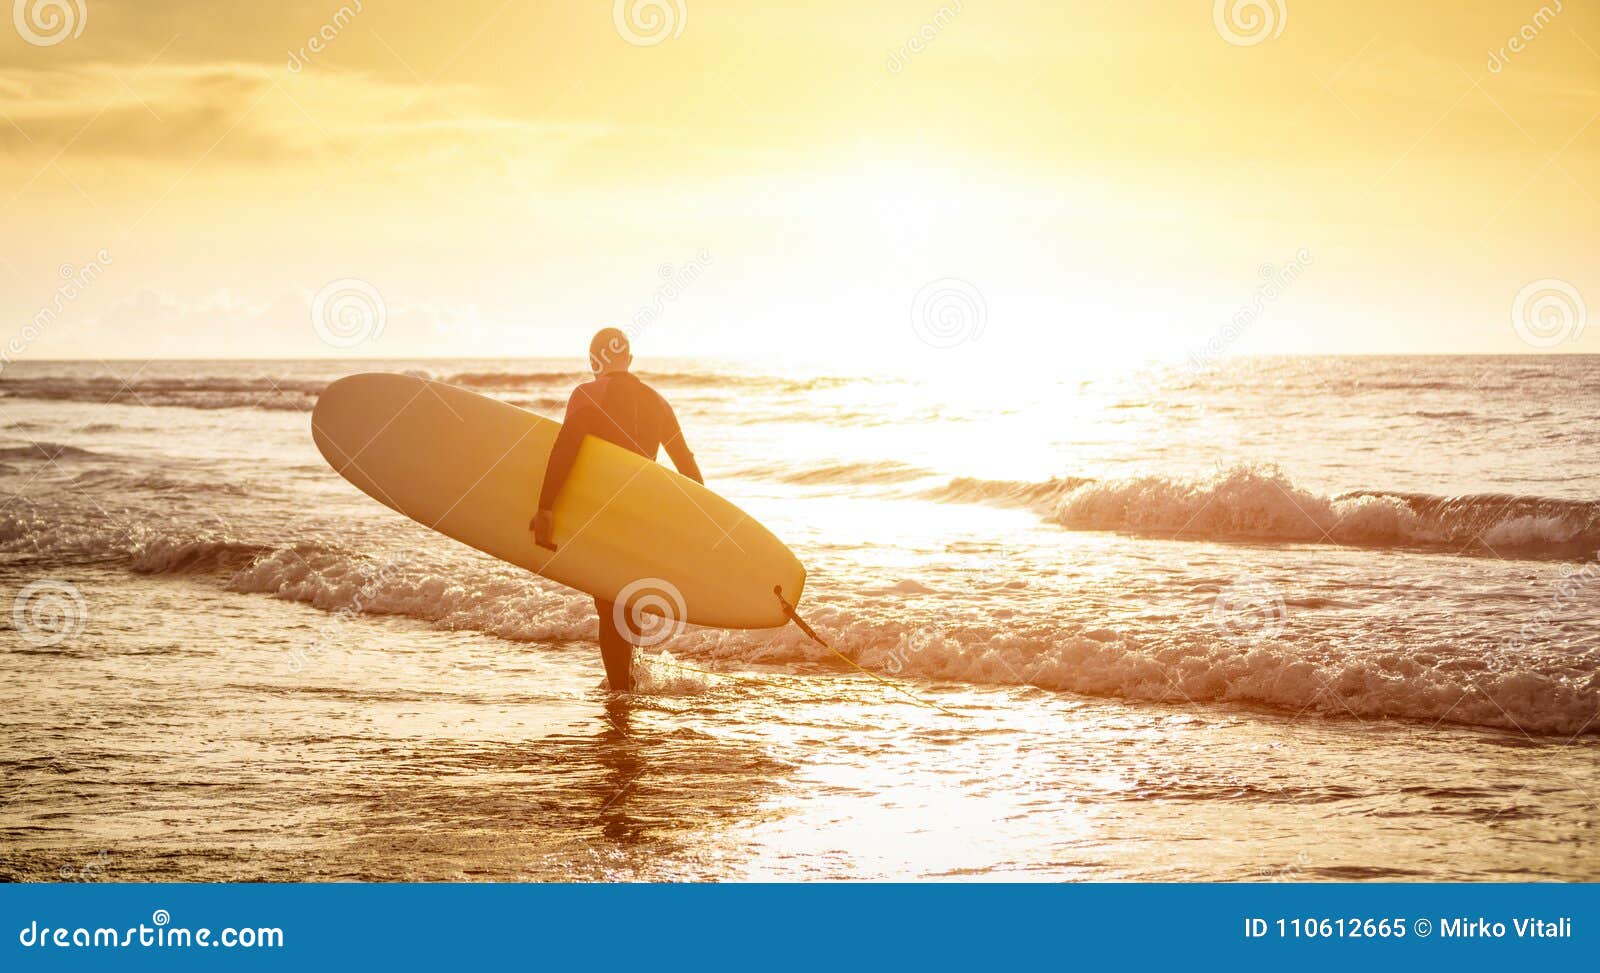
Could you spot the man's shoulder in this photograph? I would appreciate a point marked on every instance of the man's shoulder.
(660, 400)
(585, 394)
(645, 387)
(595, 390)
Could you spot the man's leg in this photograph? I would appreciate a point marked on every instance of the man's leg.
(616, 649)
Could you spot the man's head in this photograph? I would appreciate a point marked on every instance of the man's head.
(609, 351)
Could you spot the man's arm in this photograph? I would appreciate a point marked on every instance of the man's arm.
(678, 449)
(574, 426)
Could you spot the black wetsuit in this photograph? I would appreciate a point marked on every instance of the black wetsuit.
(620, 409)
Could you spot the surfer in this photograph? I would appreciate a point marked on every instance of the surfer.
(620, 409)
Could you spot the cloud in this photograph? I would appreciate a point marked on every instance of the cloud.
(168, 324)
(252, 114)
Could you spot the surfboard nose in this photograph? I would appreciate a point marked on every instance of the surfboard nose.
(351, 412)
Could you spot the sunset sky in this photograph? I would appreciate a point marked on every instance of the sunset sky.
(780, 181)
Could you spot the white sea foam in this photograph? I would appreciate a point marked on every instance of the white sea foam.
(1192, 663)
(1263, 503)
(259, 514)
(1200, 666)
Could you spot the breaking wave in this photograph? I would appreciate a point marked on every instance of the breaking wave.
(194, 393)
(1520, 691)
(300, 395)
(884, 472)
(1261, 503)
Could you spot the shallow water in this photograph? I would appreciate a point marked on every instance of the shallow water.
(1295, 619)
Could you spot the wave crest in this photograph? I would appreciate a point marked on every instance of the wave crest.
(1513, 690)
(1261, 503)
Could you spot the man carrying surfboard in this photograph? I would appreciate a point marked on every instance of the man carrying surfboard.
(622, 410)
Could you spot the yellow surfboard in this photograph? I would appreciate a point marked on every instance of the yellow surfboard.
(471, 467)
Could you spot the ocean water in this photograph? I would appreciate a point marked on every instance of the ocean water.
(1300, 619)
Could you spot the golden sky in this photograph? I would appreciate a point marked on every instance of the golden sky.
(797, 181)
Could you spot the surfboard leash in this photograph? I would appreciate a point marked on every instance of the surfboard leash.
(811, 633)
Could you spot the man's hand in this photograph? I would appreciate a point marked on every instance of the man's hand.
(543, 526)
